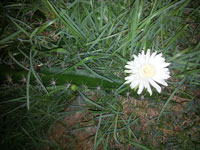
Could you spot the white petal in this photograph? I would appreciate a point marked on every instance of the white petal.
(161, 82)
(148, 54)
(148, 88)
(163, 65)
(165, 76)
(128, 66)
(143, 52)
(153, 56)
(134, 84)
(128, 71)
(141, 87)
(135, 57)
(127, 82)
(155, 85)
(159, 58)
(131, 77)
(141, 60)
(130, 63)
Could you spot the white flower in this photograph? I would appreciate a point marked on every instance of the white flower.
(146, 70)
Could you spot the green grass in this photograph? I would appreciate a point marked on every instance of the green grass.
(83, 45)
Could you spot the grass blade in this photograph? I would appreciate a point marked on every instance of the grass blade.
(33, 71)
(138, 145)
(28, 89)
(65, 19)
(91, 102)
(11, 36)
(168, 100)
(96, 135)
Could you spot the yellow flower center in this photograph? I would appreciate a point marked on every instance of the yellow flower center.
(147, 71)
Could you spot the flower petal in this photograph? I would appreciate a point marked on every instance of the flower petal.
(161, 82)
(155, 85)
(134, 84)
(128, 71)
(148, 55)
(141, 87)
(148, 88)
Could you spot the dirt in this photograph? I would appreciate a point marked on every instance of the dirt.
(77, 131)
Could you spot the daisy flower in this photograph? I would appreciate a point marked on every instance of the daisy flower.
(146, 70)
